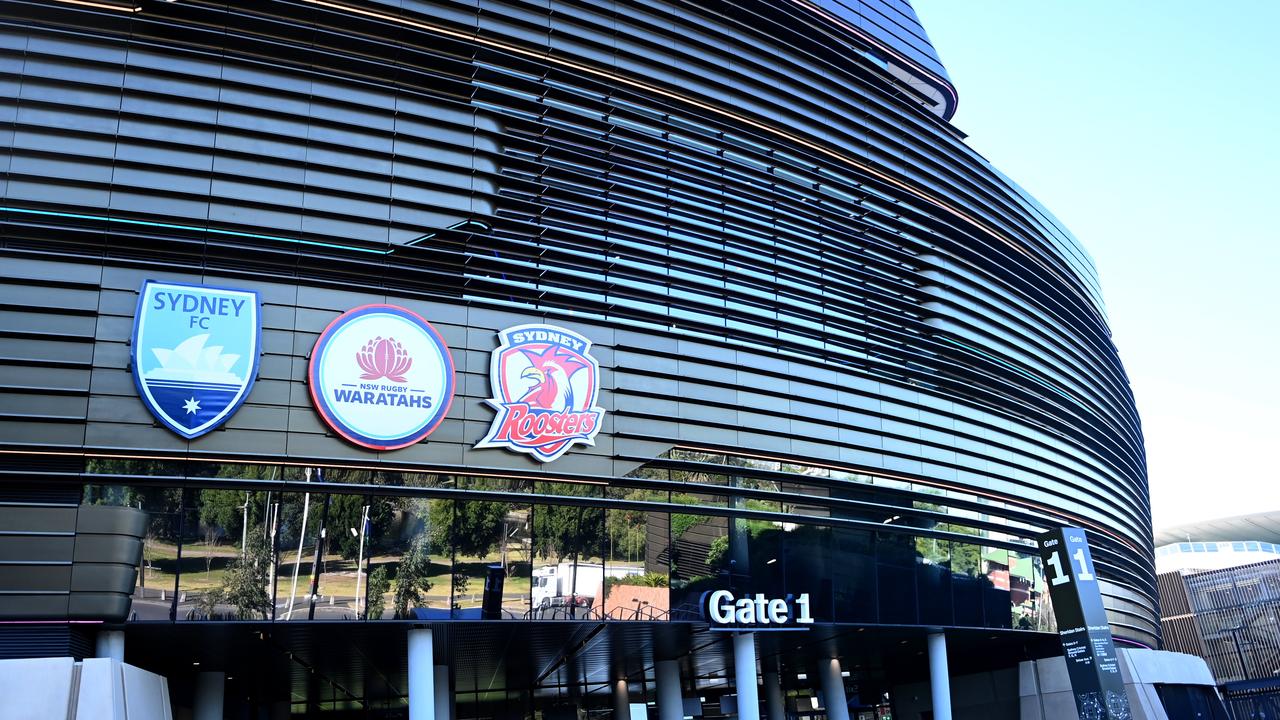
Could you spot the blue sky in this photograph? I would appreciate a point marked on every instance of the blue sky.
(1152, 130)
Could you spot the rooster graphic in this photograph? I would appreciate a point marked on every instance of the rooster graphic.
(550, 372)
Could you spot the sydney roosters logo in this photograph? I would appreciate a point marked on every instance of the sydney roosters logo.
(545, 387)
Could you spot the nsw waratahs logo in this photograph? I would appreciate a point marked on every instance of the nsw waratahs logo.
(545, 386)
(381, 377)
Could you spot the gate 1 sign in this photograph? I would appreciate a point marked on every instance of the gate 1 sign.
(1090, 651)
(720, 608)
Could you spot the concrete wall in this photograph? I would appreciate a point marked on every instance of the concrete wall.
(42, 688)
(1041, 689)
(1045, 690)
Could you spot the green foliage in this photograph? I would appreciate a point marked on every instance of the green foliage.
(718, 552)
(682, 522)
(345, 513)
(471, 528)
(411, 577)
(223, 509)
(645, 580)
(244, 584)
(379, 586)
(562, 530)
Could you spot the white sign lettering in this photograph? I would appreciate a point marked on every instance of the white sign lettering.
(721, 608)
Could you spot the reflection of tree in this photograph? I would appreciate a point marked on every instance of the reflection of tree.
(470, 528)
(223, 509)
(965, 559)
(560, 530)
(244, 585)
(411, 576)
(345, 513)
(379, 586)
(628, 529)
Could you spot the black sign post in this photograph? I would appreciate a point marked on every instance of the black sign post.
(1090, 651)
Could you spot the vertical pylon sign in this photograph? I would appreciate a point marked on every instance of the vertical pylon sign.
(1092, 663)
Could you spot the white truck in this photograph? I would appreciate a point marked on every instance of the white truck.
(565, 584)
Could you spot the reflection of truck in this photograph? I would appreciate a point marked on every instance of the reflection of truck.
(564, 584)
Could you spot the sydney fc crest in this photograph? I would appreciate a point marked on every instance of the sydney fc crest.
(545, 386)
(195, 353)
(381, 377)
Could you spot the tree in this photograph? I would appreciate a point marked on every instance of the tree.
(223, 509)
(379, 586)
(411, 577)
(244, 585)
(471, 528)
(345, 513)
(562, 530)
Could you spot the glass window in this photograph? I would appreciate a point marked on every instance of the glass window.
(699, 559)
(967, 583)
(895, 578)
(853, 571)
(1251, 546)
(490, 581)
(1029, 594)
(637, 556)
(226, 556)
(996, 594)
(568, 562)
(933, 580)
(298, 524)
(154, 588)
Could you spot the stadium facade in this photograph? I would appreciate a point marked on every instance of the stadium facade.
(340, 335)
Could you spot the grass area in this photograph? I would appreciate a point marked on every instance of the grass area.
(204, 567)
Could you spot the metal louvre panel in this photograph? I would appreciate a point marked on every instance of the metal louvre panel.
(772, 252)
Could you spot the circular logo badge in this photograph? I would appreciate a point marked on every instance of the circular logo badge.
(381, 377)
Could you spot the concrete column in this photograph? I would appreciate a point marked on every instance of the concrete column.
(621, 700)
(833, 690)
(775, 707)
(210, 693)
(444, 694)
(110, 644)
(422, 675)
(939, 678)
(744, 676)
(670, 694)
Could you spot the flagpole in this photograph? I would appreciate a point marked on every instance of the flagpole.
(364, 522)
(302, 534)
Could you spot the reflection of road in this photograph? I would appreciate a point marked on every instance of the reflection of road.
(155, 609)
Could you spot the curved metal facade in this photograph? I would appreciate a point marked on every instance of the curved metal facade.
(780, 249)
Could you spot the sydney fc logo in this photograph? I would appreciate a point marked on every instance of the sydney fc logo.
(545, 386)
(381, 377)
(195, 353)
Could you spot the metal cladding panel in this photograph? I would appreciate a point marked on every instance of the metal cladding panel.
(775, 252)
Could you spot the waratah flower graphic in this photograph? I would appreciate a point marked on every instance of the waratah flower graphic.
(384, 358)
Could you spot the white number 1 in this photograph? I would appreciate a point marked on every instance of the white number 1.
(1084, 575)
(1059, 577)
